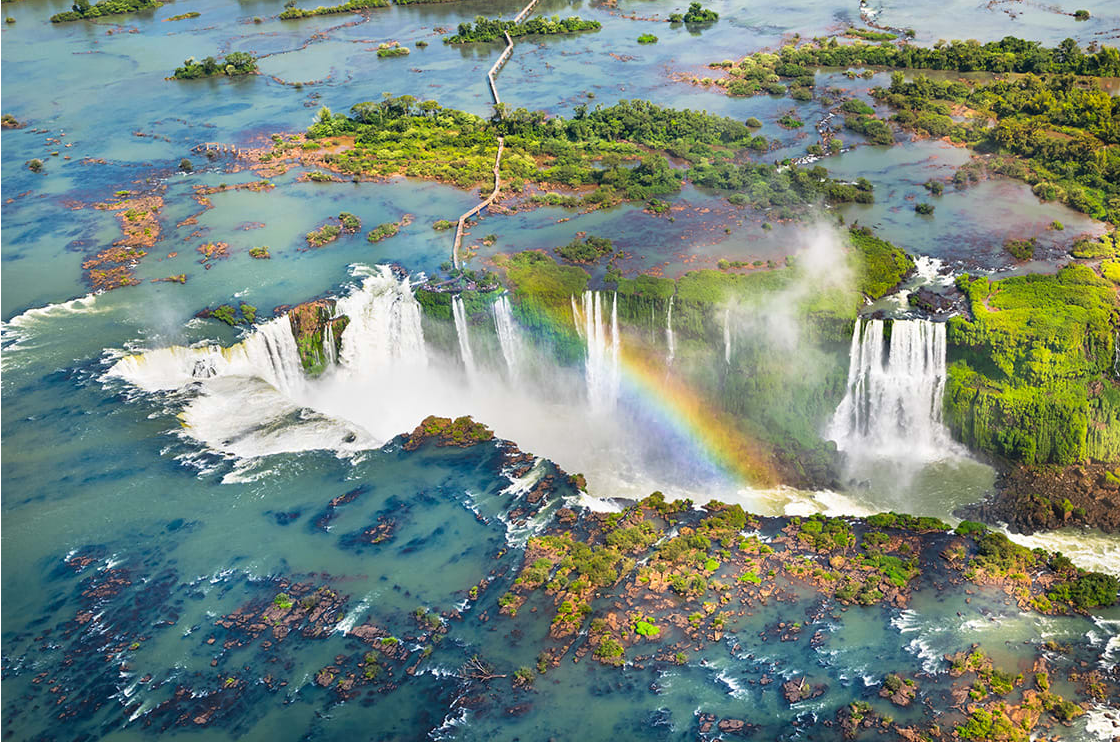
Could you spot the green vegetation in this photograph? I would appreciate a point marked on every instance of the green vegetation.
(904, 521)
(234, 64)
(260, 253)
(293, 12)
(925, 209)
(350, 223)
(610, 651)
(323, 235)
(647, 38)
(383, 231)
(823, 533)
(869, 35)
(1081, 15)
(282, 600)
(184, 16)
(1090, 590)
(790, 121)
(35, 165)
(882, 266)
(644, 626)
(462, 431)
(1021, 249)
(1007, 55)
(244, 314)
(1105, 246)
(1056, 133)
(82, 9)
(588, 250)
(485, 29)
(697, 14)
(392, 49)
(1032, 382)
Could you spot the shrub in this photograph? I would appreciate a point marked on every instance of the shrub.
(647, 38)
(35, 165)
(1081, 15)
(923, 208)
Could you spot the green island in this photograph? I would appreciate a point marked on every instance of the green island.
(82, 9)
(1055, 127)
(494, 29)
(232, 65)
(291, 12)
(592, 152)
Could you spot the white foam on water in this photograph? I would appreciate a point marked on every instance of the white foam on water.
(1102, 722)
(1089, 549)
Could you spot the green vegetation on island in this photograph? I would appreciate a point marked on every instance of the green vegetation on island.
(493, 29)
(620, 151)
(1059, 134)
(694, 14)
(1007, 55)
(291, 12)
(82, 9)
(234, 64)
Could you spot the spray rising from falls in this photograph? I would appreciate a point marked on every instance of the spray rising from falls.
(893, 405)
(460, 314)
(602, 369)
(727, 336)
(669, 333)
(509, 337)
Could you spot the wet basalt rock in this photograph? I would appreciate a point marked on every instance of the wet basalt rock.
(935, 303)
(1031, 499)
(462, 432)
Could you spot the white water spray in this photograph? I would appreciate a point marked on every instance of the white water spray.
(601, 369)
(727, 336)
(509, 337)
(893, 405)
(669, 333)
(460, 315)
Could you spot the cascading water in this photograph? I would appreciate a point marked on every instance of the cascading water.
(727, 336)
(893, 405)
(460, 315)
(508, 336)
(330, 346)
(385, 328)
(669, 333)
(269, 354)
(603, 352)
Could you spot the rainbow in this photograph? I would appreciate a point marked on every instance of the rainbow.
(682, 410)
(718, 436)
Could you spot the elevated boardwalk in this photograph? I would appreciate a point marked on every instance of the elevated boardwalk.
(491, 78)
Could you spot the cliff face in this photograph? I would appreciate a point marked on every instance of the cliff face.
(310, 322)
(1033, 379)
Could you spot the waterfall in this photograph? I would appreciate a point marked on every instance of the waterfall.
(329, 348)
(893, 404)
(385, 327)
(727, 336)
(508, 335)
(577, 318)
(669, 333)
(460, 314)
(603, 351)
(269, 353)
